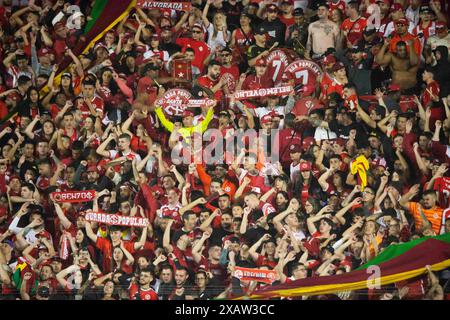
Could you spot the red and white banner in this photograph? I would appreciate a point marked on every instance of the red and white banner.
(73, 196)
(197, 103)
(174, 101)
(277, 62)
(277, 91)
(116, 220)
(179, 6)
(249, 274)
(64, 249)
(303, 72)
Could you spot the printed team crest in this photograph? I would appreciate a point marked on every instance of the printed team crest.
(174, 101)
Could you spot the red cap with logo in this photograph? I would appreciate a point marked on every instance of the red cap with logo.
(305, 166)
(188, 113)
(308, 142)
(401, 21)
(295, 148)
(440, 25)
(44, 51)
(260, 62)
(15, 96)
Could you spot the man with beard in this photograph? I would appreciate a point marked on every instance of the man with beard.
(220, 174)
(211, 81)
(223, 229)
(429, 207)
(298, 31)
(183, 290)
(404, 66)
(143, 290)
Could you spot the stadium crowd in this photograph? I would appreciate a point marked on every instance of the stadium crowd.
(363, 147)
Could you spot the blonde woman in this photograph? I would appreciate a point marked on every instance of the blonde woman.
(218, 34)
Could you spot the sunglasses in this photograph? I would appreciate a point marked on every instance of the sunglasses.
(196, 31)
(225, 54)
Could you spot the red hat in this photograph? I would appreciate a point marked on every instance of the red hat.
(198, 26)
(92, 168)
(272, 8)
(337, 66)
(402, 21)
(156, 36)
(100, 45)
(329, 59)
(305, 166)
(14, 177)
(396, 7)
(393, 87)
(440, 25)
(188, 113)
(44, 51)
(384, 1)
(260, 62)
(295, 148)
(15, 96)
(140, 49)
(308, 142)
(145, 85)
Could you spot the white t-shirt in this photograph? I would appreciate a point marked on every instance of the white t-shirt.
(218, 40)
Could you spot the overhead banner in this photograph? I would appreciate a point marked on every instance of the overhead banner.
(73, 196)
(249, 274)
(116, 220)
(257, 93)
(178, 6)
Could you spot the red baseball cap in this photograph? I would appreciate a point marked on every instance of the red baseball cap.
(295, 148)
(305, 166)
(402, 21)
(440, 25)
(92, 168)
(272, 8)
(308, 142)
(340, 142)
(329, 59)
(260, 62)
(145, 85)
(188, 113)
(393, 87)
(44, 51)
(396, 7)
(337, 66)
(15, 96)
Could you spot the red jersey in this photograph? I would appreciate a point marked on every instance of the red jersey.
(200, 48)
(241, 39)
(209, 83)
(141, 294)
(354, 29)
(339, 5)
(98, 105)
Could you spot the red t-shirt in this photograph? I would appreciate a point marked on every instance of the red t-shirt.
(105, 246)
(145, 294)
